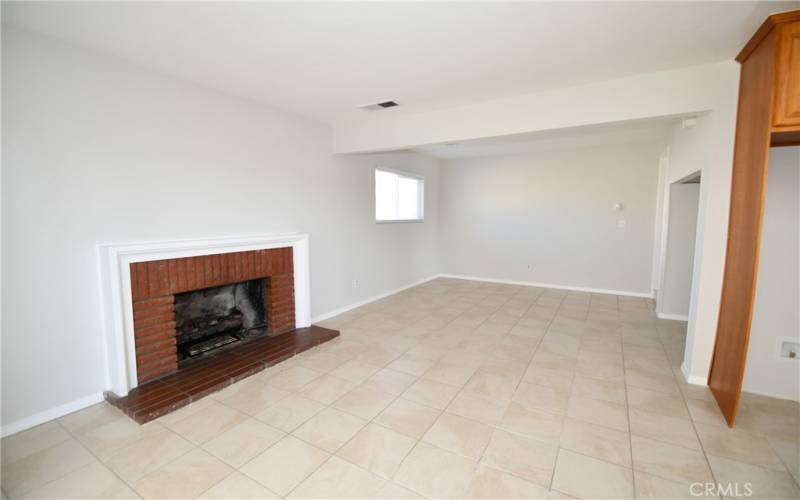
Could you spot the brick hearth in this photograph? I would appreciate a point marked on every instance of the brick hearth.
(215, 372)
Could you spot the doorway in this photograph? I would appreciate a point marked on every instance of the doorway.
(674, 294)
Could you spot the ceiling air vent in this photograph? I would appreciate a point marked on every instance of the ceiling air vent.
(379, 105)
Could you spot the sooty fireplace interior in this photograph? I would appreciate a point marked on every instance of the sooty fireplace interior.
(211, 318)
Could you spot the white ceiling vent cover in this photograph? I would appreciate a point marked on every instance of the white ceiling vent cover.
(379, 105)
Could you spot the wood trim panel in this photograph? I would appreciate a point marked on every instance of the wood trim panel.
(764, 30)
(748, 190)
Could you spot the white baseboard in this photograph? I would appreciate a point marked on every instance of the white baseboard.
(51, 414)
(360, 303)
(692, 379)
(769, 394)
(676, 317)
(549, 285)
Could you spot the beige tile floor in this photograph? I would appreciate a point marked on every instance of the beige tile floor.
(452, 389)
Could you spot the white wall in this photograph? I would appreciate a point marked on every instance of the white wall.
(673, 298)
(96, 150)
(553, 211)
(777, 307)
(706, 147)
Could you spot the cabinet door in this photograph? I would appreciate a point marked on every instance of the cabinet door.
(787, 91)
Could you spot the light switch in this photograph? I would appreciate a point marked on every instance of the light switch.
(621, 224)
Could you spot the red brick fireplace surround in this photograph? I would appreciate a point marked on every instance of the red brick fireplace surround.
(155, 283)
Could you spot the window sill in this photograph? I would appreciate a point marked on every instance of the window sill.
(398, 221)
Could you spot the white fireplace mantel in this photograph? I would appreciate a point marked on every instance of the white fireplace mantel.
(117, 303)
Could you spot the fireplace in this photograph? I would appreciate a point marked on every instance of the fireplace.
(210, 319)
(189, 308)
(155, 293)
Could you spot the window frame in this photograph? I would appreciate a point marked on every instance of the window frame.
(420, 200)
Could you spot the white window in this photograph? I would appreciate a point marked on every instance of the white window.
(399, 196)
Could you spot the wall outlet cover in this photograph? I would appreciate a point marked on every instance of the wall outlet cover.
(788, 348)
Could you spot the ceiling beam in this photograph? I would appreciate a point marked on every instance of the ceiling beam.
(678, 92)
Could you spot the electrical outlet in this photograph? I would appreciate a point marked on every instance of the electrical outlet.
(355, 283)
(789, 348)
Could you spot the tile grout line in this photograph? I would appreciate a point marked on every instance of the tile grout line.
(694, 426)
(79, 468)
(229, 474)
(101, 462)
(329, 406)
(368, 422)
(628, 413)
(443, 411)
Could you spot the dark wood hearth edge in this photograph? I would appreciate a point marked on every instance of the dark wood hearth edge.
(167, 394)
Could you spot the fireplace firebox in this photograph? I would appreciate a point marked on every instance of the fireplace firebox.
(210, 319)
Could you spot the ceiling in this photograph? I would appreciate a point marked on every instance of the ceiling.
(653, 131)
(324, 59)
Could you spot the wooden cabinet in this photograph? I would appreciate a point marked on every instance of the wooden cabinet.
(768, 115)
(787, 77)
